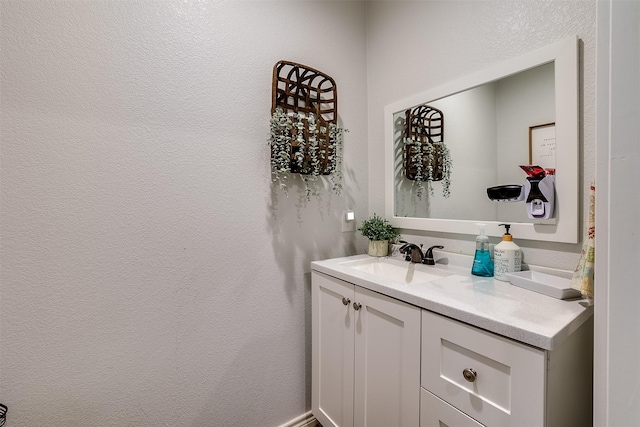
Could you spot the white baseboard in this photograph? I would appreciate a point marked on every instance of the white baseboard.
(305, 420)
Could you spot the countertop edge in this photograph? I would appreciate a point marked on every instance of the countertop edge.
(526, 336)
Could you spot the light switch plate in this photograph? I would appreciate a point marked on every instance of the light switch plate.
(347, 224)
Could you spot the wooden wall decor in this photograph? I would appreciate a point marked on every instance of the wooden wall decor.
(424, 144)
(300, 91)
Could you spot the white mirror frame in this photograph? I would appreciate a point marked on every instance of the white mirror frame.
(565, 229)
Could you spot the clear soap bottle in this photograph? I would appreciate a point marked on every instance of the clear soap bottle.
(482, 264)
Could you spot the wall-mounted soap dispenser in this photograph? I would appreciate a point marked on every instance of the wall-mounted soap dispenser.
(539, 192)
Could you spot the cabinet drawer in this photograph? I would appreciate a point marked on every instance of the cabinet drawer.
(435, 412)
(497, 381)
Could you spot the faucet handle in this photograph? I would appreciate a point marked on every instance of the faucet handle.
(412, 252)
(404, 249)
(428, 256)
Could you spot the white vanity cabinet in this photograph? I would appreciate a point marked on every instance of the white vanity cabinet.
(500, 382)
(365, 356)
(453, 351)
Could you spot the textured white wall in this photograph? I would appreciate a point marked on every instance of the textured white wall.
(414, 46)
(150, 277)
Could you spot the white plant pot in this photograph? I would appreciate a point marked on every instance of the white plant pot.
(378, 247)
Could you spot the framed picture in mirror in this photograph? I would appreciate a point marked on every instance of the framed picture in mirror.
(542, 145)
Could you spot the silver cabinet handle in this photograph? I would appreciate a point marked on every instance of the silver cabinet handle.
(345, 300)
(469, 375)
(357, 306)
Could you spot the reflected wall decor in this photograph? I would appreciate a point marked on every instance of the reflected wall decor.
(426, 157)
(542, 145)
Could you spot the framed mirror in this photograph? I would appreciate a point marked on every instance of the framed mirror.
(494, 119)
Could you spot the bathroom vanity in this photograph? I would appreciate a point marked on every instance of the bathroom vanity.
(400, 344)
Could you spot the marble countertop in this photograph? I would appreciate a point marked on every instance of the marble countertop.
(486, 303)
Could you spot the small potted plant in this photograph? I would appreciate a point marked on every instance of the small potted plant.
(379, 232)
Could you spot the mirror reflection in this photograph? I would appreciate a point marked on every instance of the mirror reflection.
(488, 116)
(487, 131)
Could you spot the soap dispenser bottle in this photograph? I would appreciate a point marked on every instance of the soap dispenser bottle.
(482, 264)
(507, 256)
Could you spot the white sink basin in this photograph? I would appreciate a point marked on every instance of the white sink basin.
(403, 272)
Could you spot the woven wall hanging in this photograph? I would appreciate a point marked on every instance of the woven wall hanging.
(305, 137)
(426, 157)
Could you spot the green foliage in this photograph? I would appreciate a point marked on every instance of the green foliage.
(377, 228)
(424, 157)
(305, 132)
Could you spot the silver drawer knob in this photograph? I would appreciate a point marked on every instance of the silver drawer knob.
(345, 301)
(357, 306)
(469, 375)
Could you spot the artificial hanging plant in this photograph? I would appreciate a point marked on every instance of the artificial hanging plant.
(427, 158)
(306, 145)
(429, 162)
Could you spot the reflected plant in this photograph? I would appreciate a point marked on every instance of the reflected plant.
(430, 160)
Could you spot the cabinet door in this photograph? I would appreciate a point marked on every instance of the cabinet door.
(387, 362)
(332, 350)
